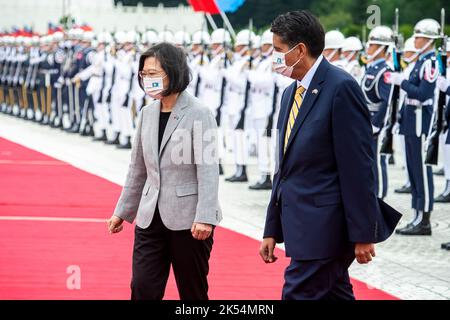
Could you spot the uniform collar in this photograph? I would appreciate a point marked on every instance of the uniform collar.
(426, 54)
(376, 62)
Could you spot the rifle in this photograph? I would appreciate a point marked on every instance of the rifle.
(224, 79)
(241, 122)
(432, 147)
(387, 141)
(199, 79)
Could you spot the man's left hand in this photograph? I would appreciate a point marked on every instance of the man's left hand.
(201, 231)
(364, 252)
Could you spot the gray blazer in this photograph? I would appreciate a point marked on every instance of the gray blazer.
(182, 177)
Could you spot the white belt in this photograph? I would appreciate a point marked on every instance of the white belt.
(417, 103)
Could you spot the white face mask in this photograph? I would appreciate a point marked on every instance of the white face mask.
(239, 55)
(216, 51)
(279, 63)
(154, 86)
(349, 57)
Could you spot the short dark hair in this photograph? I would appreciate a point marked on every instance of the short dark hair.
(300, 26)
(173, 61)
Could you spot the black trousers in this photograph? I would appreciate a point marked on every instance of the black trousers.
(324, 279)
(156, 248)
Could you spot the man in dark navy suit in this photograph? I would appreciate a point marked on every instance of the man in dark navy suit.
(323, 204)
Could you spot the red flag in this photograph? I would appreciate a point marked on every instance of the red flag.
(206, 6)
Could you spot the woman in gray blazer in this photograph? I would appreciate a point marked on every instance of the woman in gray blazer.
(171, 187)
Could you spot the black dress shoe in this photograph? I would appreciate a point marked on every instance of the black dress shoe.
(240, 178)
(440, 172)
(401, 230)
(102, 137)
(73, 129)
(127, 145)
(112, 142)
(404, 189)
(124, 146)
(445, 246)
(264, 184)
(423, 228)
(443, 198)
(230, 178)
(418, 230)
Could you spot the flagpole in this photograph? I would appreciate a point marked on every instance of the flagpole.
(211, 21)
(227, 22)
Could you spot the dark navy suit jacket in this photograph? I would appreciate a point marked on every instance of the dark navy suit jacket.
(323, 197)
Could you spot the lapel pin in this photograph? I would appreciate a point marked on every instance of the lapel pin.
(315, 91)
(175, 117)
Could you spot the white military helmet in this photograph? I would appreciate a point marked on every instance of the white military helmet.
(27, 41)
(132, 37)
(200, 37)
(58, 36)
(35, 40)
(19, 40)
(220, 36)
(427, 28)
(352, 44)
(244, 37)
(381, 35)
(334, 39)
(257, 42)
(409, 45)
(104, 37)
(182, 38)
(267, 37)
(166, 36)
(150, 37)
(88, 36)
(76, 33)
(120, 37)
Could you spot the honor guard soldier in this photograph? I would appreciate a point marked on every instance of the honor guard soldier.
(410, 56)
(213, 85)
(415, 124)
(351, 49)
(443, 84)
(377, 93)
(237, 78)
(334, 41)
(198, 57)
(263, 95)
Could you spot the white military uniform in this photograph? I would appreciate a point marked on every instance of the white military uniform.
(195, 64)
(94, 72)
(120, 113)
(262, 81)
(236, 76)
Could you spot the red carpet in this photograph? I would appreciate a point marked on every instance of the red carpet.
(35, 254)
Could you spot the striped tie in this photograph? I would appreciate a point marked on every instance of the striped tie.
(298, 99)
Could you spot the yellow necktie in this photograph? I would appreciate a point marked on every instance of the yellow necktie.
(298, 99)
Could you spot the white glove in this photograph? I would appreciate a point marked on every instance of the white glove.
(442, 83)
(375, 130)
(395, 78)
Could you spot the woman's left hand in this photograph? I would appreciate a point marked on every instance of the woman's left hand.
(201, 231)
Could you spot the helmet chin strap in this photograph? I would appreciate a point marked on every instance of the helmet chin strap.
(267, 53)
(350, 56)
(370, 57)
(425, 46)
(331, 55)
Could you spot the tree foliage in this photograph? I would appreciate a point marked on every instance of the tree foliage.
(349, 16)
